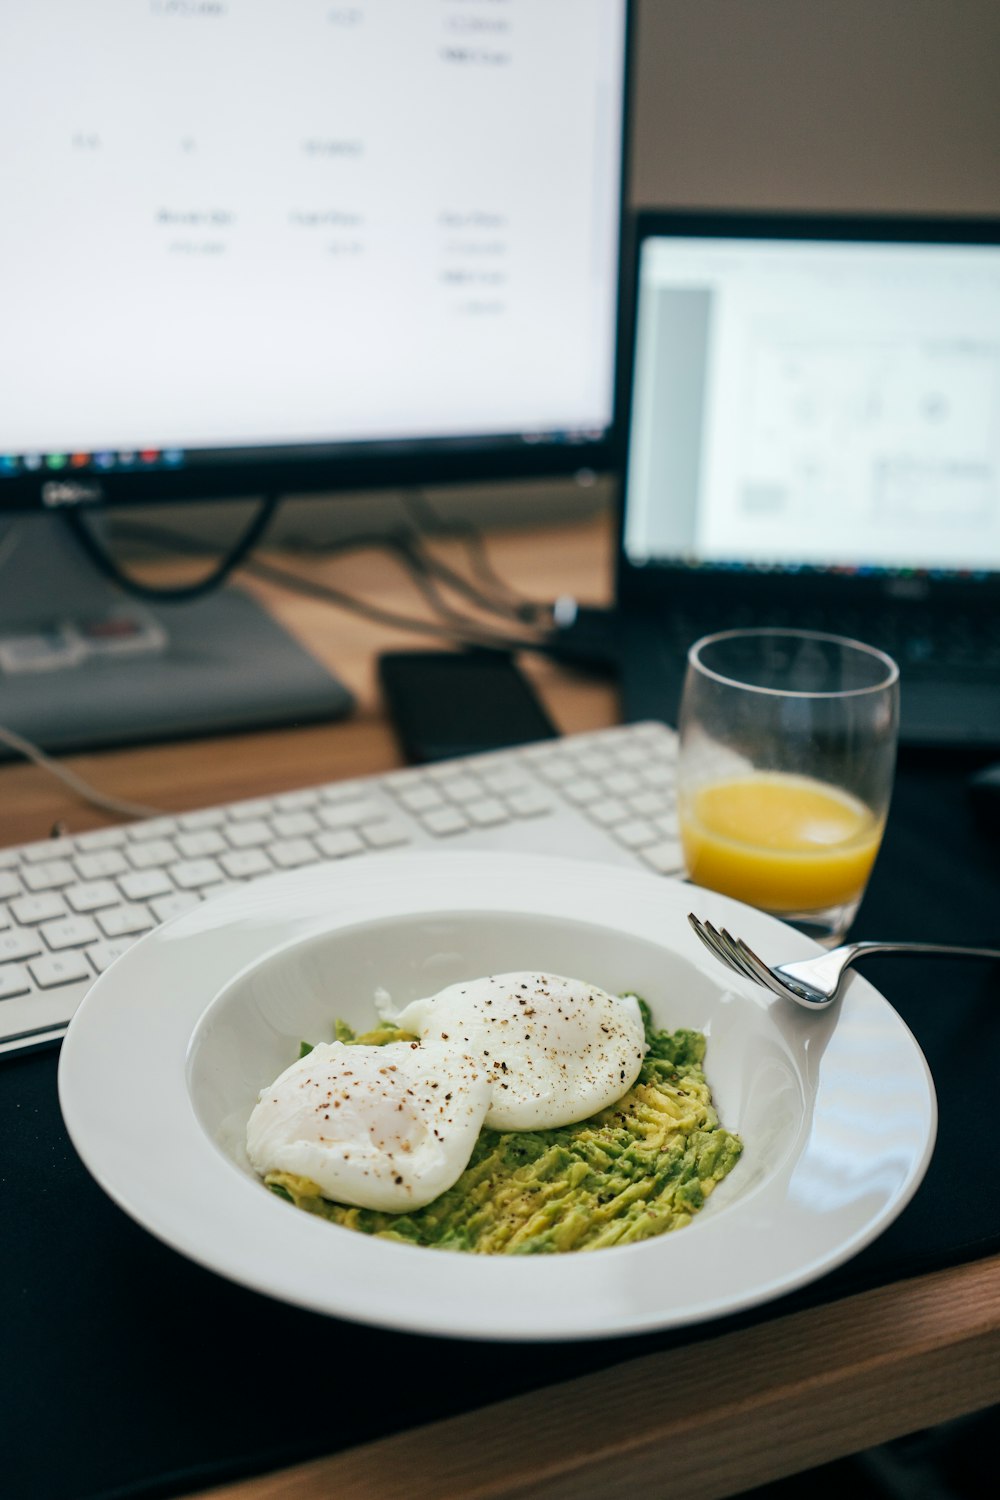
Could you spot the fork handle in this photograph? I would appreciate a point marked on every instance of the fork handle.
(851, 951)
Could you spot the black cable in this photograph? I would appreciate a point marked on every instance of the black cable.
(469, 633)
(181, 593)
(410, 546)
(559, 645)
(398, 544)
(592, 651)
(504, 599)
(522, 614)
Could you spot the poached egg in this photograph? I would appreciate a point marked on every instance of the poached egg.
(554, 1050)
(387, 1128)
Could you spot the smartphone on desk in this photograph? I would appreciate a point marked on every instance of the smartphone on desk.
(450, 703)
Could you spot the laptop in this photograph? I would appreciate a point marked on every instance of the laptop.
(813, 439)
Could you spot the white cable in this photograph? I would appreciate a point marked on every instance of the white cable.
(76, 784)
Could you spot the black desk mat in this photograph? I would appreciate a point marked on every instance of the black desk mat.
(125, 1370)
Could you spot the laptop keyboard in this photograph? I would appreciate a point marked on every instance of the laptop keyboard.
(70, 906)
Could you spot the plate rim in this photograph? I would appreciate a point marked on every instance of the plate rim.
(455, 875)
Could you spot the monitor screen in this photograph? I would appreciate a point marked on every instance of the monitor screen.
(817, 402)
(249, 246)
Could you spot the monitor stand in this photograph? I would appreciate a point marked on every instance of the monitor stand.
(85, 666)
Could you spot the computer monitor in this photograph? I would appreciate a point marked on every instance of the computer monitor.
(253, 249)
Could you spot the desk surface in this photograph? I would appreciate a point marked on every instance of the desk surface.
(794, 1390)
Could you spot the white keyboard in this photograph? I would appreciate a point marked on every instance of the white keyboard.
(70, 906)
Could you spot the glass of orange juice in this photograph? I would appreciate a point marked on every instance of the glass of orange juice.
(785, 770)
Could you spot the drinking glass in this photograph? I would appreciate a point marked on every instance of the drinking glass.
(785, 770)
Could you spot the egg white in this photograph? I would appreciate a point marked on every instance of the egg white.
(387, 1128)
(554, 1050)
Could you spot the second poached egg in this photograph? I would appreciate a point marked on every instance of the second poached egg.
(554, 1050)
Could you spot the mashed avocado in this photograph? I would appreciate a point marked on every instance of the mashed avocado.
(637, 1169)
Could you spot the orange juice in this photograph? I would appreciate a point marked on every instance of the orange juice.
(783, 843)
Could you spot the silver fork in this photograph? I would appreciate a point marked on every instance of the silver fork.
(812, 982)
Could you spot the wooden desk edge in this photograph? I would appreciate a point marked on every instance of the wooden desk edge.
(709, 1419)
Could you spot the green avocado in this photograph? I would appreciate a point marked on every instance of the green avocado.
(637, 1169)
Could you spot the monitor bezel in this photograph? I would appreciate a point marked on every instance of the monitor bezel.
(360, 466)
(645, 586)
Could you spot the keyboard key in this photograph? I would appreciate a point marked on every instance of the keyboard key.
(101, 838)
(59, 968)
(530, 803)
(192, 874)
(90, 895)
(461, 788)
(505, 780)
(339, 843)
(14, 980)
(36, 854)
(140, 885)
(650, 804)
(634, 834)
(4, 916)
(665, 751)
(118, 921)
(250, 812)
(443, 771)
(419, 798)
(151, 828)
(595, 763)
(289, 854)
(351, 814)
(249, 835)
(152, 852)
(294, 825)
(395, 782)
(197, 845)
(205, 817)
(100, 865)
(18, 943)
(556, 768)
(444, 820)
(488, 812)
(623, 783)
(209, 892)
(609, 812)
(387, 835)
(30, 910)
(69, 932)
(297, 801)
(9, 886)
(243, 864)
(658, 776)
(349, 791)
(665, 857)
(632, 756)
(165, 907)
(102, 955)
(49, 875)
(583, 789)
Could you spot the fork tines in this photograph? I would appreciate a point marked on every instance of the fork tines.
(732, 951)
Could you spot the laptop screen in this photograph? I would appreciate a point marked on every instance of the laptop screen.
(815, 404)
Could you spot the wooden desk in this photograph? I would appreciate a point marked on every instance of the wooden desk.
(201, 773)
(731, 1411)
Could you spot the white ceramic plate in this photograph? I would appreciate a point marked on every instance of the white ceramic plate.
(162, 1065)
